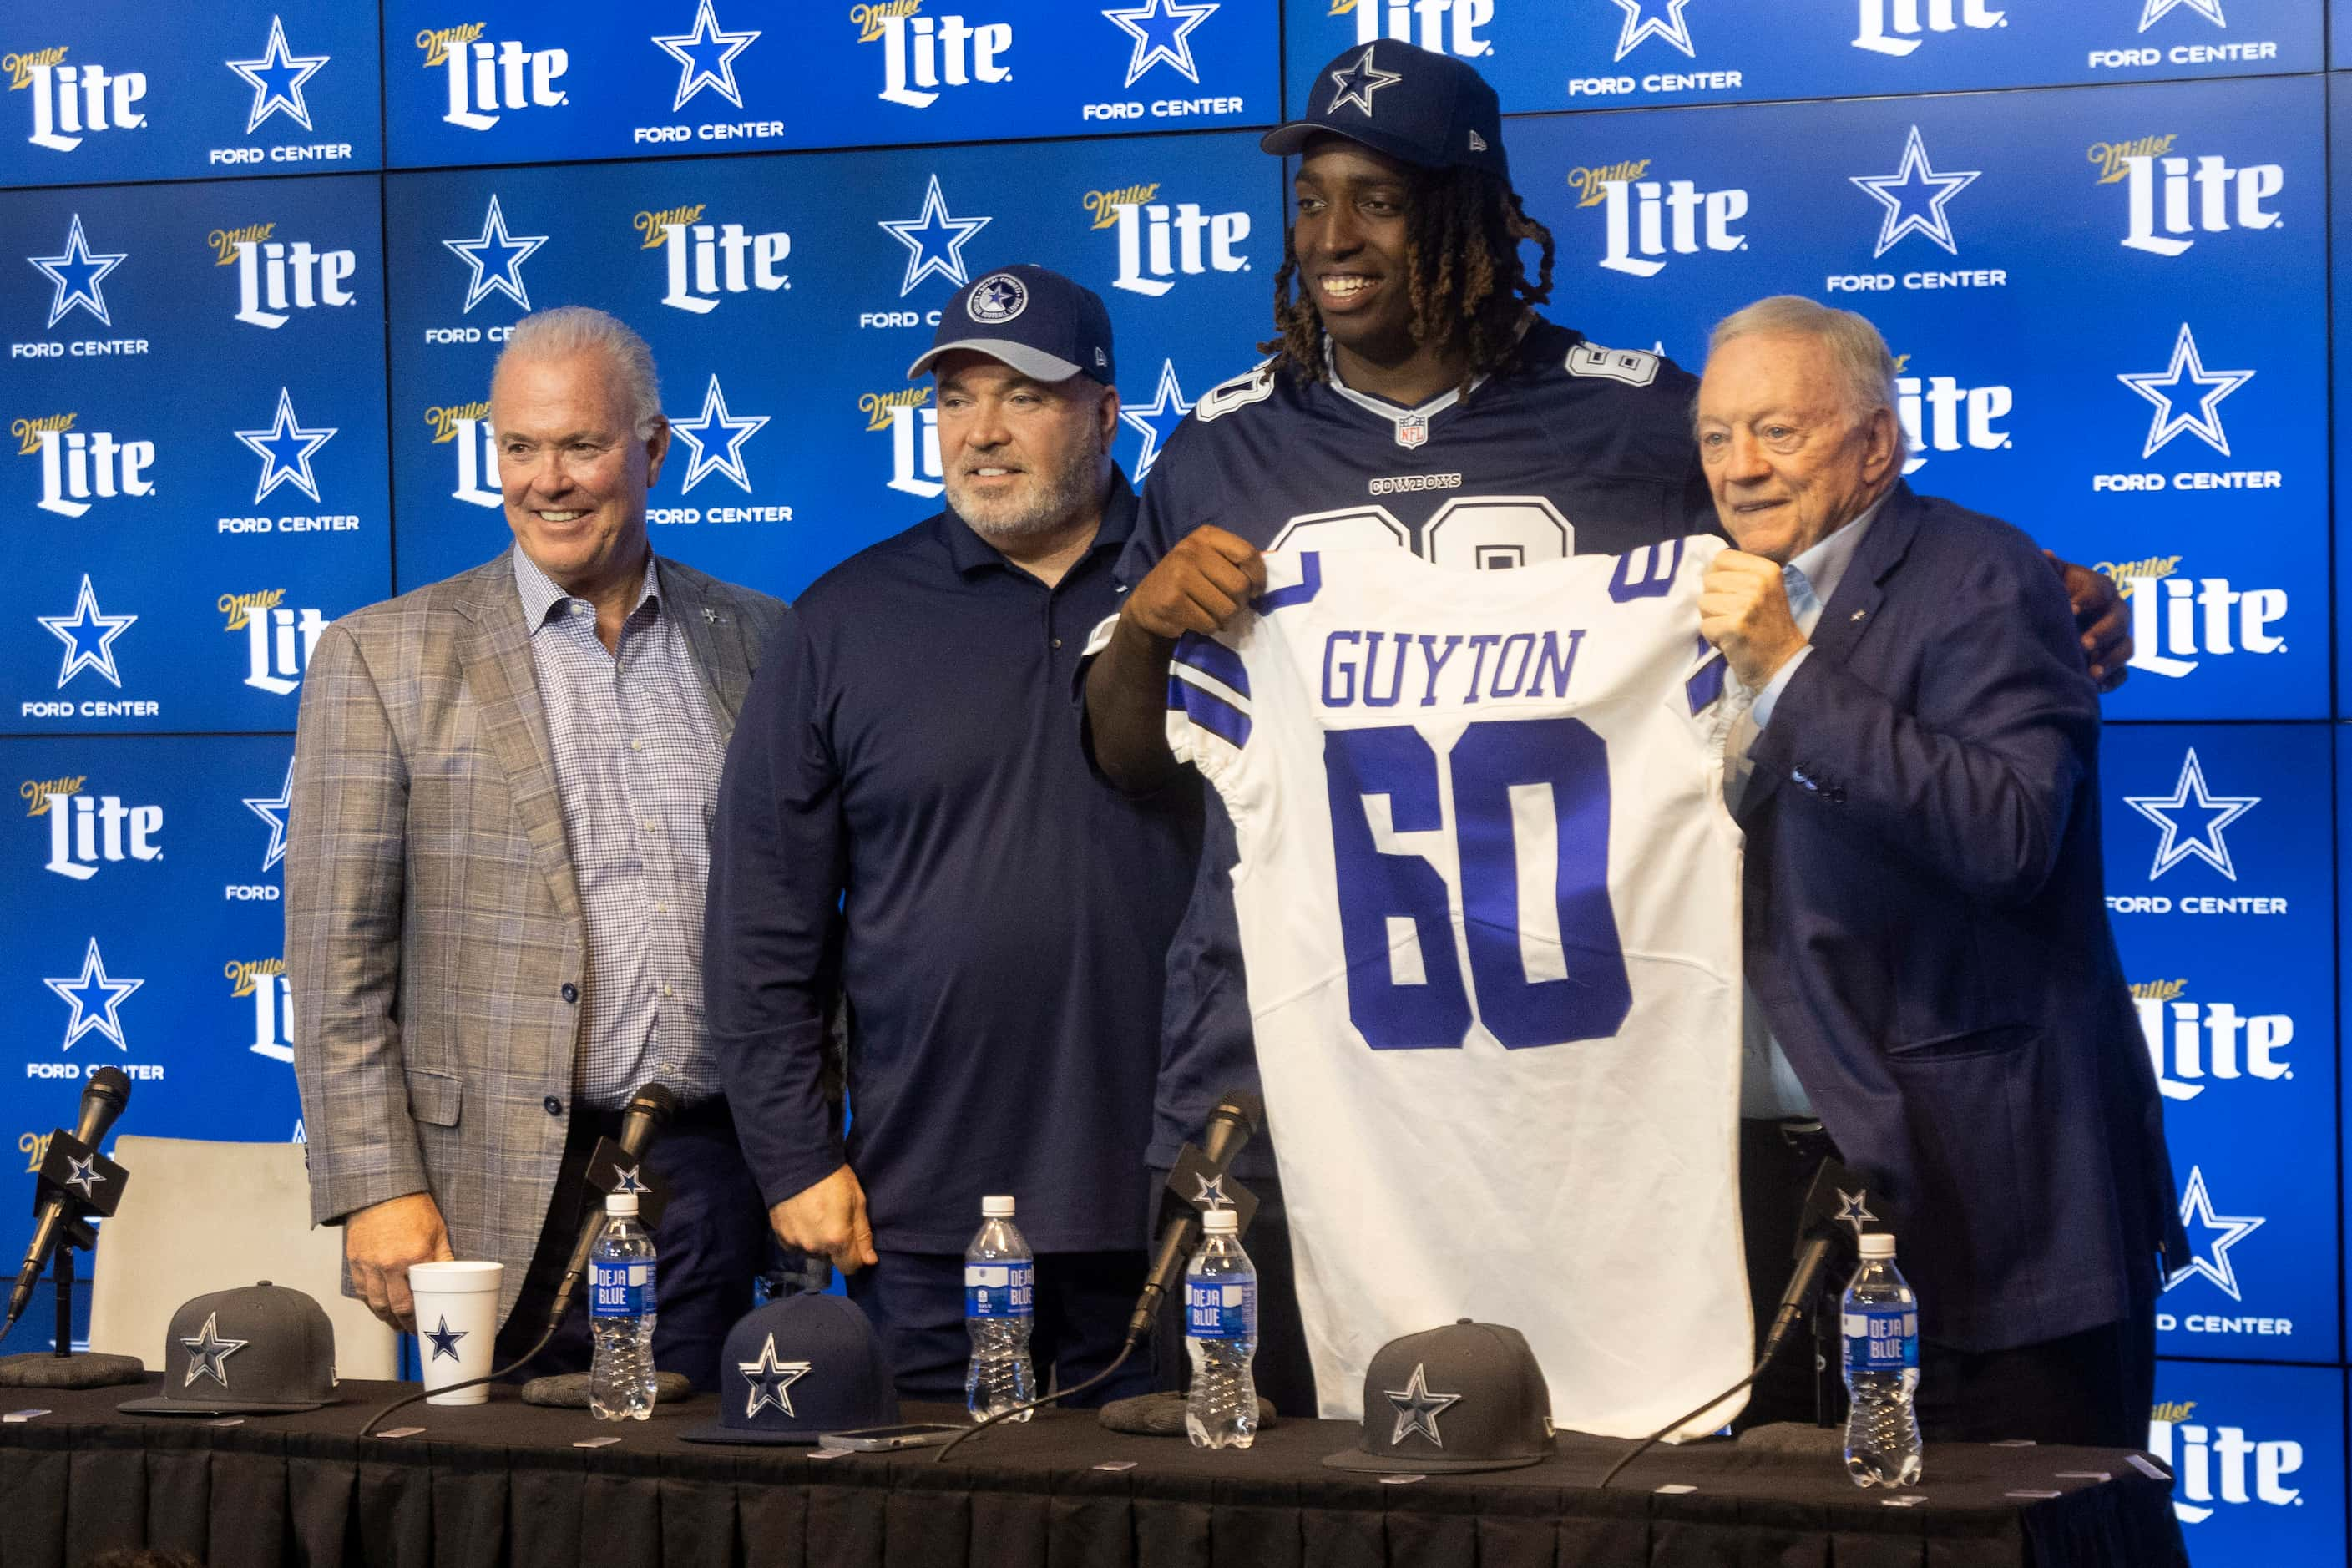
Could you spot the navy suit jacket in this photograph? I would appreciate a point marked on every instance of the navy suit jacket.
(1927, 929)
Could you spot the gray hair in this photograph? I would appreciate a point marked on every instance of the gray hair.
(578, 329)
(1865, 367)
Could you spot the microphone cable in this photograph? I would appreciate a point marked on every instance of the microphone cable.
(406, 1400)
(1116, 1361)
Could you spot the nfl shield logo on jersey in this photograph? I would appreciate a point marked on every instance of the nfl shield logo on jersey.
(1411, 430)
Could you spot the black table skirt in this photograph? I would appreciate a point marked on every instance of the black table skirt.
(502, 1486)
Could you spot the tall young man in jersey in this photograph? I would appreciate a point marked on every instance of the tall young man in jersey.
(1413, 398)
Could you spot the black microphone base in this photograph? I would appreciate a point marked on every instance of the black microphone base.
(90, 1369)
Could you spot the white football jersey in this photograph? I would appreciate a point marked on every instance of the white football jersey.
(1489, 903)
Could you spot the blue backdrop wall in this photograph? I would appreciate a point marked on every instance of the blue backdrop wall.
(268, 252)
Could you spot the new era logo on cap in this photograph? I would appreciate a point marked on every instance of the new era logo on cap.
(797, 1368)
(1468, 1396)
(255, 1350)
(1427, 110)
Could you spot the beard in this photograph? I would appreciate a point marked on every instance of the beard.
(1049, 500)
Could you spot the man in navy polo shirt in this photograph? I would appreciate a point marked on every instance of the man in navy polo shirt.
(904, 821)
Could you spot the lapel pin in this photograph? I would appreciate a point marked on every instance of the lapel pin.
(1857, 614)
(713, 617)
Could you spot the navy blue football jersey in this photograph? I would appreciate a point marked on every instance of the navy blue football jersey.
(1581, 450)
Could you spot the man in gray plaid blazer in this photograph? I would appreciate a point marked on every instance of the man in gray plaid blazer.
(502, 790)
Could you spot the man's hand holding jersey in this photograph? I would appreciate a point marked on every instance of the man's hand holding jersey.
(1743, 609)
(1200, 585)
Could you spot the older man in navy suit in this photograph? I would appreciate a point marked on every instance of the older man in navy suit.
(1927, 947)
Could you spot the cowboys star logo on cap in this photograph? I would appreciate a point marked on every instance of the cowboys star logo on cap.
(209, 1353)
(1357, 83)
(770, 1380)
(997, 299)
(282, 1344)
(1480, 1378)
(1417, 1409)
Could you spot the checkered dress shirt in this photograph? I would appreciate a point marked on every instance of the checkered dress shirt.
(636, 765)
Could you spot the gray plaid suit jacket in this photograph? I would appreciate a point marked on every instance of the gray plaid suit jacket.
(433, 933)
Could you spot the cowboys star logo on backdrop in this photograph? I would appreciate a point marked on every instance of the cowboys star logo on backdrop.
(717, 438)
(2210, 1237)
(285, 449)
(494, 258)
(706, 57)
(1162, 33)
(934, 240)
(95, 997)
(88, 636)
(1659, 19)
(2154, 11)
(2193, 817)
(277, 78)
(1914, 197)
(2187, 397)
(1156, 420)
(272, 811)
(77, 273)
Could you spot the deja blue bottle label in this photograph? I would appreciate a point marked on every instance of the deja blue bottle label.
(621, 1289)
(1881, 1339)
(999, 1289)
(1221, 1309)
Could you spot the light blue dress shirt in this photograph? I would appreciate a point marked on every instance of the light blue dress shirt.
(1767, 1084)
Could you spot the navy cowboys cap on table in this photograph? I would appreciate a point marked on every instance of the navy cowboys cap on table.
(1034, 320)
(1468, 1396)
(797, 1368)
(257, 1350)
(1427, 110)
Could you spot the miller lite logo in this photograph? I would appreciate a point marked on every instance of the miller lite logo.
(278, 639)
(70, 101)
(79, 469)
(2170, 197)
(274, 277)
(1161, 241)
(914, 427)
(1649, 220)
(2210, 1461)
(703, 262)
(1441, 26)
(88, 831)
(466, 428)
(2190, 1040)
(2178, 621)
(1892, 27)
(486, 77)
(263, 981)
(922, 54)
(1939, 414)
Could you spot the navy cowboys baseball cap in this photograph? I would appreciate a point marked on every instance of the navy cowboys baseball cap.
(797, 1368)
(1468, 1396)
(1427, 110)
(256, 1350)
(1037, 321)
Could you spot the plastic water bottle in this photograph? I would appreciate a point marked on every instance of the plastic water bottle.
(1000, 1276)
(621, 1314)
(1221, 1336)
(1880, 1318)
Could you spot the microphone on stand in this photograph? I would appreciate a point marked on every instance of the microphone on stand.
(101, 1103)
(647, 1110)
(1231, 1124)
(1818, 1234)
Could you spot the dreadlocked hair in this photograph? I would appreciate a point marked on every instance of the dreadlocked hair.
(1465, 280)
